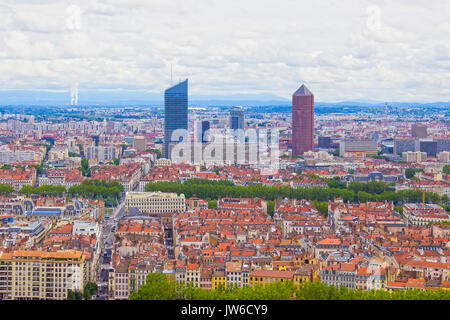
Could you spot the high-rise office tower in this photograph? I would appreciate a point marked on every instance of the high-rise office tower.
(96, 140)
(205, 128)
(201, 127)
(324, 142)
(237, 118)
(428, 146)
(175, 113)
(302, 121)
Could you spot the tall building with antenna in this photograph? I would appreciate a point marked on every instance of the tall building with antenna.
(175, 113)
(302, 121)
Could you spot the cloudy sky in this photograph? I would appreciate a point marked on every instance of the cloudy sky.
(342, 49)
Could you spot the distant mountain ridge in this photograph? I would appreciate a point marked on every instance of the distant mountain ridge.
(141, 98)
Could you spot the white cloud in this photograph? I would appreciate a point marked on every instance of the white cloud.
(342, 49)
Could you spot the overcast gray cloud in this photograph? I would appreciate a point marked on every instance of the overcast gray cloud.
(346, 49)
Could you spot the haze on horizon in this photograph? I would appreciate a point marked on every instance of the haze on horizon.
(342, 50)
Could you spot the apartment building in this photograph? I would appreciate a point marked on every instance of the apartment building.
(193, 274)
(155, 202)
(163, 162)
(354, 277)
(412, 156)
(118, 282)
(424, 214)
(18, 177)
(444, 157)
(37, 275)
(9, 157)
(358, 146)
(127, 278)
(234, 274)
(263, 277)
(101, 153)
(139, 143)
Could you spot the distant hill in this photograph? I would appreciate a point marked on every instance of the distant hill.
(142, 98)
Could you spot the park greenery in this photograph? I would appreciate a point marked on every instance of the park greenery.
(6, 189)
(90, 289)
(411, 172)
(114, 161)
(85, 170)
(212, 204)
(36, 166)
(158, 287)
(44, 190)
(108, 191)
(355, 192)
(399, 209)
(446, 169)
(379, 157)
(158, 152)
(271, 208)
(322, 207)
(74, 155)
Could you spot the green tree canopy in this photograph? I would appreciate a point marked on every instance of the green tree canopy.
(6, 189)
(446, 169)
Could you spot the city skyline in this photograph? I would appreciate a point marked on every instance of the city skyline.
(207, 150)
(366, 49)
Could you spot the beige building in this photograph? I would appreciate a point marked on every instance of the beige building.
(411, 156)
(58, 154)
(424, 214)
(444, 157)
(365, 147)
(163, 162)
(139, 143)
(127, 278)
(38, 275)
(155, 202)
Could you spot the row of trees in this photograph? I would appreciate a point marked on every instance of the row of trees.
(108, 191)
(158, 287)
(372, 187)
(215, 189)
(44, 190)
(6, 189)
(36, 166)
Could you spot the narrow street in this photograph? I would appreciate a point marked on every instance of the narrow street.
(108, 227)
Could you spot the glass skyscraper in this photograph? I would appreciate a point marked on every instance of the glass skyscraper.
(237, 118)
(205, 128)
(175, 113)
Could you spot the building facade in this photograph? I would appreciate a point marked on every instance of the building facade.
(237, 118)
(155, 202)
(302, 121)
(175, 113)
(38, 275)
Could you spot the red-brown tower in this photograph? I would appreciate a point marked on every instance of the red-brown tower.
(302, 121)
